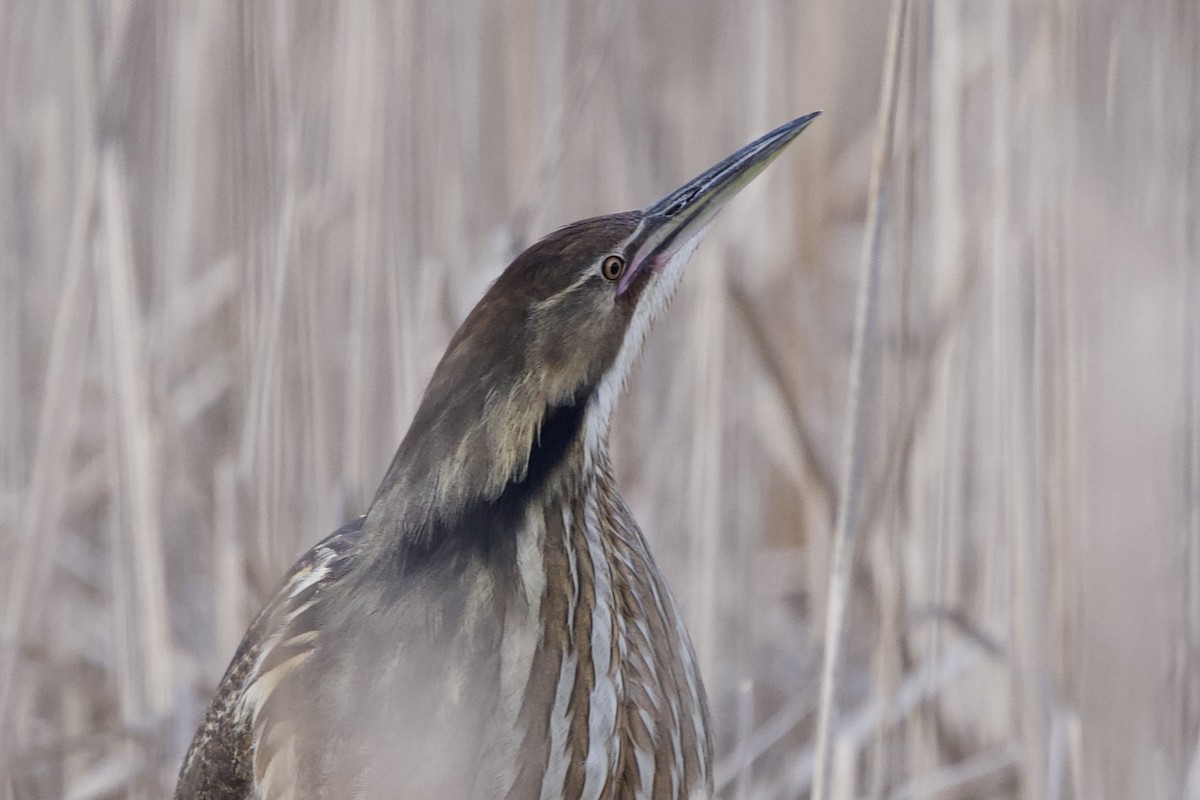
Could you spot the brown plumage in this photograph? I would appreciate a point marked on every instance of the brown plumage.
(495, 626)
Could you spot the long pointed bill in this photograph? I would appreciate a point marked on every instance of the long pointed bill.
(671, 222)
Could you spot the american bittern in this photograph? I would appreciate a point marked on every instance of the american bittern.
(495, 626)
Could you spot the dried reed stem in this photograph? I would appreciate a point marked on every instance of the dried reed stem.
(37, 546)
(861, 373)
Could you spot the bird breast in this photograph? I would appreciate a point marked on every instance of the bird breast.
(554, 667)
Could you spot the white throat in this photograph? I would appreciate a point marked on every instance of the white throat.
(656, 297)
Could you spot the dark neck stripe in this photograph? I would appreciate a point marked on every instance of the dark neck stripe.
(488, 528)
(561, 427)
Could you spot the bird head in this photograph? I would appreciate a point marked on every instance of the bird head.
(538, 364)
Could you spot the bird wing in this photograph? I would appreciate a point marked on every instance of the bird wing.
(239, 752)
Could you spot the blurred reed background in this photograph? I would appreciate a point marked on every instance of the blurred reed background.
(235, 237)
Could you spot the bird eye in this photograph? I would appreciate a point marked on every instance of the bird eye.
(612, 267)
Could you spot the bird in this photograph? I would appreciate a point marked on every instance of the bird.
(495, 625)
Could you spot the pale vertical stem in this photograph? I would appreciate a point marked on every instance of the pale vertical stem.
(141, 663)
(469, 46)
(192, 34)
(314, 418)
(261, 415)
(947, 523)
(934, 461)
(139, 461)
(752, 217)
(999, 264)
(1021, 343)
(120, 596)
(280, 541)
(1056, 757)
(888, 667)
(35, 540)
(520, 95)
(566, 80)
(1191, 789)
(74, 721)
(1190, 253)
(553, 70)
(861, 371)
(1025, 298)
(229, 590)
(13, 409)
(1075, 754)
(1070, 526)
(758, 35)
(946, 161)
(745, 729)
(411, 304)
(359, 102)
(946, 71)
(1192, 491)
(553, 34)
(705, 483)
(946, 74)
(1024, 463)
(845, 768)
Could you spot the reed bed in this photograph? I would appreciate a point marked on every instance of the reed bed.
(234, 239)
